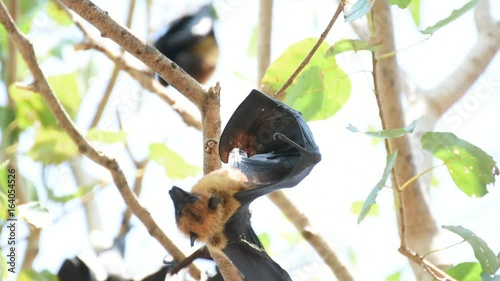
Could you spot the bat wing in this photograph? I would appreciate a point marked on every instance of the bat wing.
(277, 148)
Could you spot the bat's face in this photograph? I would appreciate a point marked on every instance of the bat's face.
(202, 214)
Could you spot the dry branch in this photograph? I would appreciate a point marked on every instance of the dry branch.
(41, 86)
(453, 87)
(418, 229)
(210, 112)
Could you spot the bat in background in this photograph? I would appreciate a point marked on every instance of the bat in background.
(190, 42)
(271, 148)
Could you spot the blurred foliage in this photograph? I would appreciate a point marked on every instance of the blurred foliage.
(175, 165)
(105, 136)
(455, 14)
(388, 134)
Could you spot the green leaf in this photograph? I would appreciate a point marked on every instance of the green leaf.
(345, 45)
(252, 44)
(35, 214)
(388, 134)
(4, 164)
(9, 127)
(27, 10)
(3, 42)
(30, 275)
(415, 11)
(104, 136)
(466, 271)
(358, 10)
(3, 192)
(79, 193)
(265, 240)
(319, 91)
(357, 206)
(52, 146)
(485, 256)
(292, 238)
(469, 166)
(174, 164)
(455, 14)
(402, 4)
(66, 88)
(31, 107)
(394, 277)
(57, 14)
(370, 200)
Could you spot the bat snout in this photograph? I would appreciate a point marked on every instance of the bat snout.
(181, 198)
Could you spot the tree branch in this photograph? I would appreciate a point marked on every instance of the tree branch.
(418, 229)
(301, 222)
(453, 87)
(210, 116)
(146, 53)
(311, 53)
(41, 86)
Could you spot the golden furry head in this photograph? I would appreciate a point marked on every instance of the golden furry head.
(203, 213)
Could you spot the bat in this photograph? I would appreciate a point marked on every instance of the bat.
(190, 42)
(270, 147)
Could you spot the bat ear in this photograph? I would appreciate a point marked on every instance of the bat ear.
(181, 198)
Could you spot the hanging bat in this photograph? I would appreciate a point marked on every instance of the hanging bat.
(272, 148)
(190, 42)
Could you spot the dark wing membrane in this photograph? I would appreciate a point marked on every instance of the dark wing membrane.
(246, 251)
(279, 149)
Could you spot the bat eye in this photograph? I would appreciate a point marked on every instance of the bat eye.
(213, 202)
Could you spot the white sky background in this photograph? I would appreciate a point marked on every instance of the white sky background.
(351, 163)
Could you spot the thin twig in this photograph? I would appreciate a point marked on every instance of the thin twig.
(140, 167)
(311, 53)
(41, 85)
(105, 98)
(320, 245)
(436, 273)
(114, 73)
